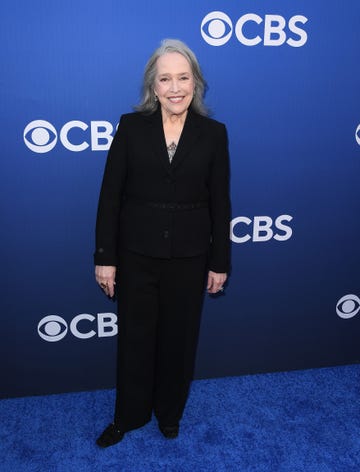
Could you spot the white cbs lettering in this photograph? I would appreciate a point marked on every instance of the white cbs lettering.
(287, 230)
(262, 224)
(274, 25)
(299, 31)
(274, 30)
(101, 130)
(64, 136)
(239, 29)
(74, 326)
(107, 325)
(54, 328)
(262, 229)
(236, 221)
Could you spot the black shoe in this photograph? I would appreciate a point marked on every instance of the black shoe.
(110, 436)
(170, 432)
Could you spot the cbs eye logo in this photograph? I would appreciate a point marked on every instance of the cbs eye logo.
(216, 28)
(348, 306)
(52, 328)
(273, 30)
(40, 136)
(357, 135)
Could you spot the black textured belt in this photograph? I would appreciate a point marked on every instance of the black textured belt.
(168, 206)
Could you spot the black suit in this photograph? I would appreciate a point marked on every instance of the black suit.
(163, 225)
(138, 173)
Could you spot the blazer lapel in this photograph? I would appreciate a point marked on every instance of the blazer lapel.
(190, 134)
(157, 139)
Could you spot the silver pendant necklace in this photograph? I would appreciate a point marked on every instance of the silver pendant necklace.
(171, 149)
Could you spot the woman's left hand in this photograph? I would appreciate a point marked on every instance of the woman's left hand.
(215, 282)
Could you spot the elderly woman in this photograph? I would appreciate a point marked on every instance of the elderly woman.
(162, 236)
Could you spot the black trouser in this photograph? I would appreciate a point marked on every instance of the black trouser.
(159, 308)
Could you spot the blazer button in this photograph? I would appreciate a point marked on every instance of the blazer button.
(166, 234)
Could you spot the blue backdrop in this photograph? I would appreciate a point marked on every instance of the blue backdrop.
(284, 77)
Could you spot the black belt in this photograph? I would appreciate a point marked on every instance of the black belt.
(168, 206)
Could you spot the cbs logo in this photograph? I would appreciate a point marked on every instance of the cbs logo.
(217, 28)
(53, 328)
(40, 136)
(262, 229)
(348, 306)
(357, 135)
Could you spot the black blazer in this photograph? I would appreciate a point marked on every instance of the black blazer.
(155, 208)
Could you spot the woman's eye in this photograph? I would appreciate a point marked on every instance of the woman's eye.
(184, 78)
(164, 79)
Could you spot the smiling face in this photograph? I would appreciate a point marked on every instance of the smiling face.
(174, 84)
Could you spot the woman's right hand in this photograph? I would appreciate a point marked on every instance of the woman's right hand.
(105, 277)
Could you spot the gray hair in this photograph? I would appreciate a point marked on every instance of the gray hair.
(148, 103)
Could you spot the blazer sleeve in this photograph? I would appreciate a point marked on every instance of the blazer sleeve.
(107, 221)
(220, 209)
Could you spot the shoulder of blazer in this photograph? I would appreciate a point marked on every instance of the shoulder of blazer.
(138, 117)
(206, 122)
(135, 118)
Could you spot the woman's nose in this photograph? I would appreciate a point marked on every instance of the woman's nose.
(174, 85)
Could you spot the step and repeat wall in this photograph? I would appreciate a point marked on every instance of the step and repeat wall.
(284, 77)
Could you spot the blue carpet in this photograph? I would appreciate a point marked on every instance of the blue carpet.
(295, 421)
